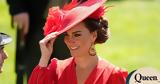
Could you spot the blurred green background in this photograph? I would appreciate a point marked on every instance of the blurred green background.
(134, 40)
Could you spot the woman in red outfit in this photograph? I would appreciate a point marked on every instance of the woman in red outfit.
(83, 26)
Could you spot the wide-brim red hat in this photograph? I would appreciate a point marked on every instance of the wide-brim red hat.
(61, 20)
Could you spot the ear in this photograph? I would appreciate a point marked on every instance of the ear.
(94, 36)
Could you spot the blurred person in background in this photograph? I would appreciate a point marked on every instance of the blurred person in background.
(29, 17)
(4, 39)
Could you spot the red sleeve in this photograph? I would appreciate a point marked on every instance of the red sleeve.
(118, 76)
(44, 75)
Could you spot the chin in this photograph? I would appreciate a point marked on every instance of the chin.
(74, 54)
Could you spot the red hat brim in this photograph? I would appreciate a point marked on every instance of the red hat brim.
(76, 15)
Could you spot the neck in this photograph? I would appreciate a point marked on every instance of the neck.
(84, 62)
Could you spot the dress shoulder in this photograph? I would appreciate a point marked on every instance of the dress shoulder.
(118, 76)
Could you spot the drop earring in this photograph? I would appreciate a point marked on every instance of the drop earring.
(92, 50)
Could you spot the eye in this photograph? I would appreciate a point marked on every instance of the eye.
(77, 35)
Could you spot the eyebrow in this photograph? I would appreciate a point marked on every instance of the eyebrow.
(76, 32)
(65, 33)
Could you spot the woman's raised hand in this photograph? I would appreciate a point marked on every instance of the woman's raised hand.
(46, 46)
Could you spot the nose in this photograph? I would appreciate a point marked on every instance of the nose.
(4, 55)
(71, 40)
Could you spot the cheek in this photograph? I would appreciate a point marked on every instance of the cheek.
(85, 43)
(3, 55)
(1, 58)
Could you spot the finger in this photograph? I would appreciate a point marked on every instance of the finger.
(50, 37)
(53, 34)
(20, 25)
(26, 24)
(17, 22)
(52, 42)
(25, 27)
(46, 40)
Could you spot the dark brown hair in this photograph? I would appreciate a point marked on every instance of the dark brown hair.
(101, 26)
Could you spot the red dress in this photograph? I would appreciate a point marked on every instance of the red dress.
(64, 73)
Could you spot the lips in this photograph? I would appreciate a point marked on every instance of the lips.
(74, 48)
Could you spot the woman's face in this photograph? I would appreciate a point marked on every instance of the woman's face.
(79, 39)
